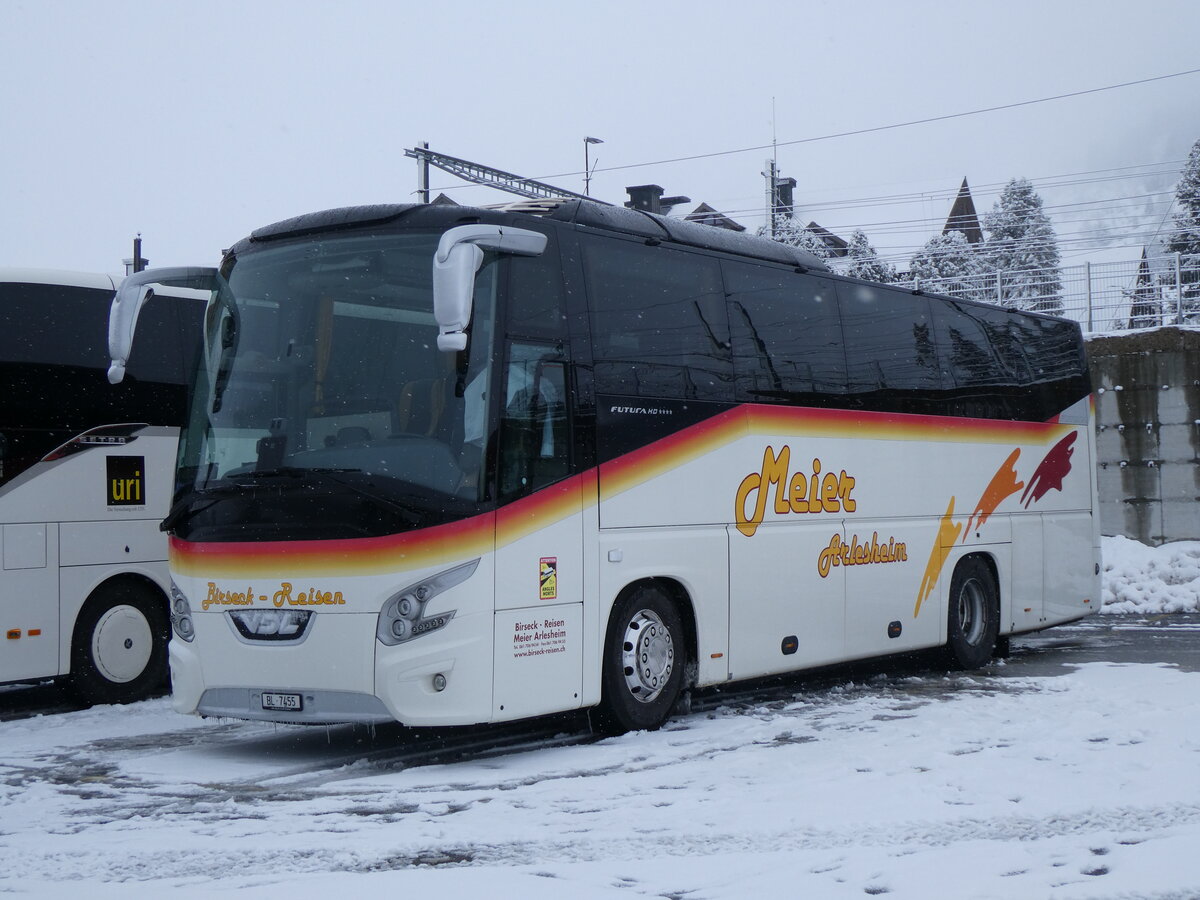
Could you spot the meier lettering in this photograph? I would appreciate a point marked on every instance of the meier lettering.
(800, 493)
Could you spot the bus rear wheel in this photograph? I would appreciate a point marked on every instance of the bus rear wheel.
(974, 615)
(644, 661)
(119, 648)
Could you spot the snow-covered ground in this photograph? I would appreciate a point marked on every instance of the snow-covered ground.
(1141, 579)
(925, 785)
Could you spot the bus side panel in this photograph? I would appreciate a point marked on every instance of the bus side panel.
(783, 613)
(882, 584)
(538, 664)
(1068, 571)
(96, 543)
(29, 614)
(1028, 586)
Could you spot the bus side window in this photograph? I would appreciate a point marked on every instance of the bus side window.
(891, 355)
(787, 336)
(659, 322)
(534, 448)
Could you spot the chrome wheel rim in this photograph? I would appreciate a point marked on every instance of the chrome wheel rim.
(972, 612)
(647, 656)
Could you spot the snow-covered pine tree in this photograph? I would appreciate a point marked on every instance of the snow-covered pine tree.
(789, 231)
(865, 263)
(1185, 239)
(948, 264)
(1022, 249)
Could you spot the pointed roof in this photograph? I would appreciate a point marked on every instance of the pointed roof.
(1144, 278)
(836, 246)
(963, 217)
(702, 213)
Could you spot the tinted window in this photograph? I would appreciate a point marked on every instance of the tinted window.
(1005, 336)
(54, 325)
(534, 447)
(890, 345)
(966, 348)
(54, 362)
(535, 294)
(658, 321)
(1052, 347)
(786, 334)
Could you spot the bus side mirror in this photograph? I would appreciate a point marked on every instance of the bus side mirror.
(183, 282)
(459, 256)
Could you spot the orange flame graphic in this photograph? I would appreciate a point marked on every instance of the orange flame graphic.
(947, 535)
(1003, 485)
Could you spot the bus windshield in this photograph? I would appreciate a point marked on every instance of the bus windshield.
(321, 376)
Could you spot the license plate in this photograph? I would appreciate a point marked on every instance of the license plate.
(289, 702)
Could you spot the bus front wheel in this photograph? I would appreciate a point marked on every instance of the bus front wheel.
(119, 648)
(974, 616)
(644, 661)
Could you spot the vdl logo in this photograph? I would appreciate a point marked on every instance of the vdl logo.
(126, 480)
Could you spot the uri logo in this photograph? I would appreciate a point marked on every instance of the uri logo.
(126, 480)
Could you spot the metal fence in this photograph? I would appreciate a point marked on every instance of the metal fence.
(1102, 297)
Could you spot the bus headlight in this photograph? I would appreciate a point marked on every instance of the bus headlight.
(403, 616)
(181, 615)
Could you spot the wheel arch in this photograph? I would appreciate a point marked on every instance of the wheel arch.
(960, 650)
(993, 566)
(89, 676)
(79, 586)
(135, 580)
(682, 600)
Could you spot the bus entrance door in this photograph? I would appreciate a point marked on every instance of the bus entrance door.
(538, 639)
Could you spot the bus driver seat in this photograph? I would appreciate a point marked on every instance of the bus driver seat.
(420, 405)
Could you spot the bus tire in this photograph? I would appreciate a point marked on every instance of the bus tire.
(644, 661)
(119, 646)
(973, 622)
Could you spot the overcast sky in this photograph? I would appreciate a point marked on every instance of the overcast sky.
(195, 123)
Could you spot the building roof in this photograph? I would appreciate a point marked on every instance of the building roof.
(836, 246)
(963, 216)
(701, 212)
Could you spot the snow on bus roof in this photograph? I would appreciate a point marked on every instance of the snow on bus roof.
(58, 276)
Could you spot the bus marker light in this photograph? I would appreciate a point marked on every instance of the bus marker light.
(14, 634)
(35, 632)
(715, 655)
(790, 645)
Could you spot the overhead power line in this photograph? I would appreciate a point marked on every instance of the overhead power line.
(877, 128)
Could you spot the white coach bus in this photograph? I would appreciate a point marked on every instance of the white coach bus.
(452, 466)
(85, 476)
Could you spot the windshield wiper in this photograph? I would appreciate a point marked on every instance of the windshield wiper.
(184, 507)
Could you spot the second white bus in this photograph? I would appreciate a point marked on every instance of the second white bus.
(85, 475)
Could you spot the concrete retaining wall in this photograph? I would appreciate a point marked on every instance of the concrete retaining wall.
(1147, 387)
